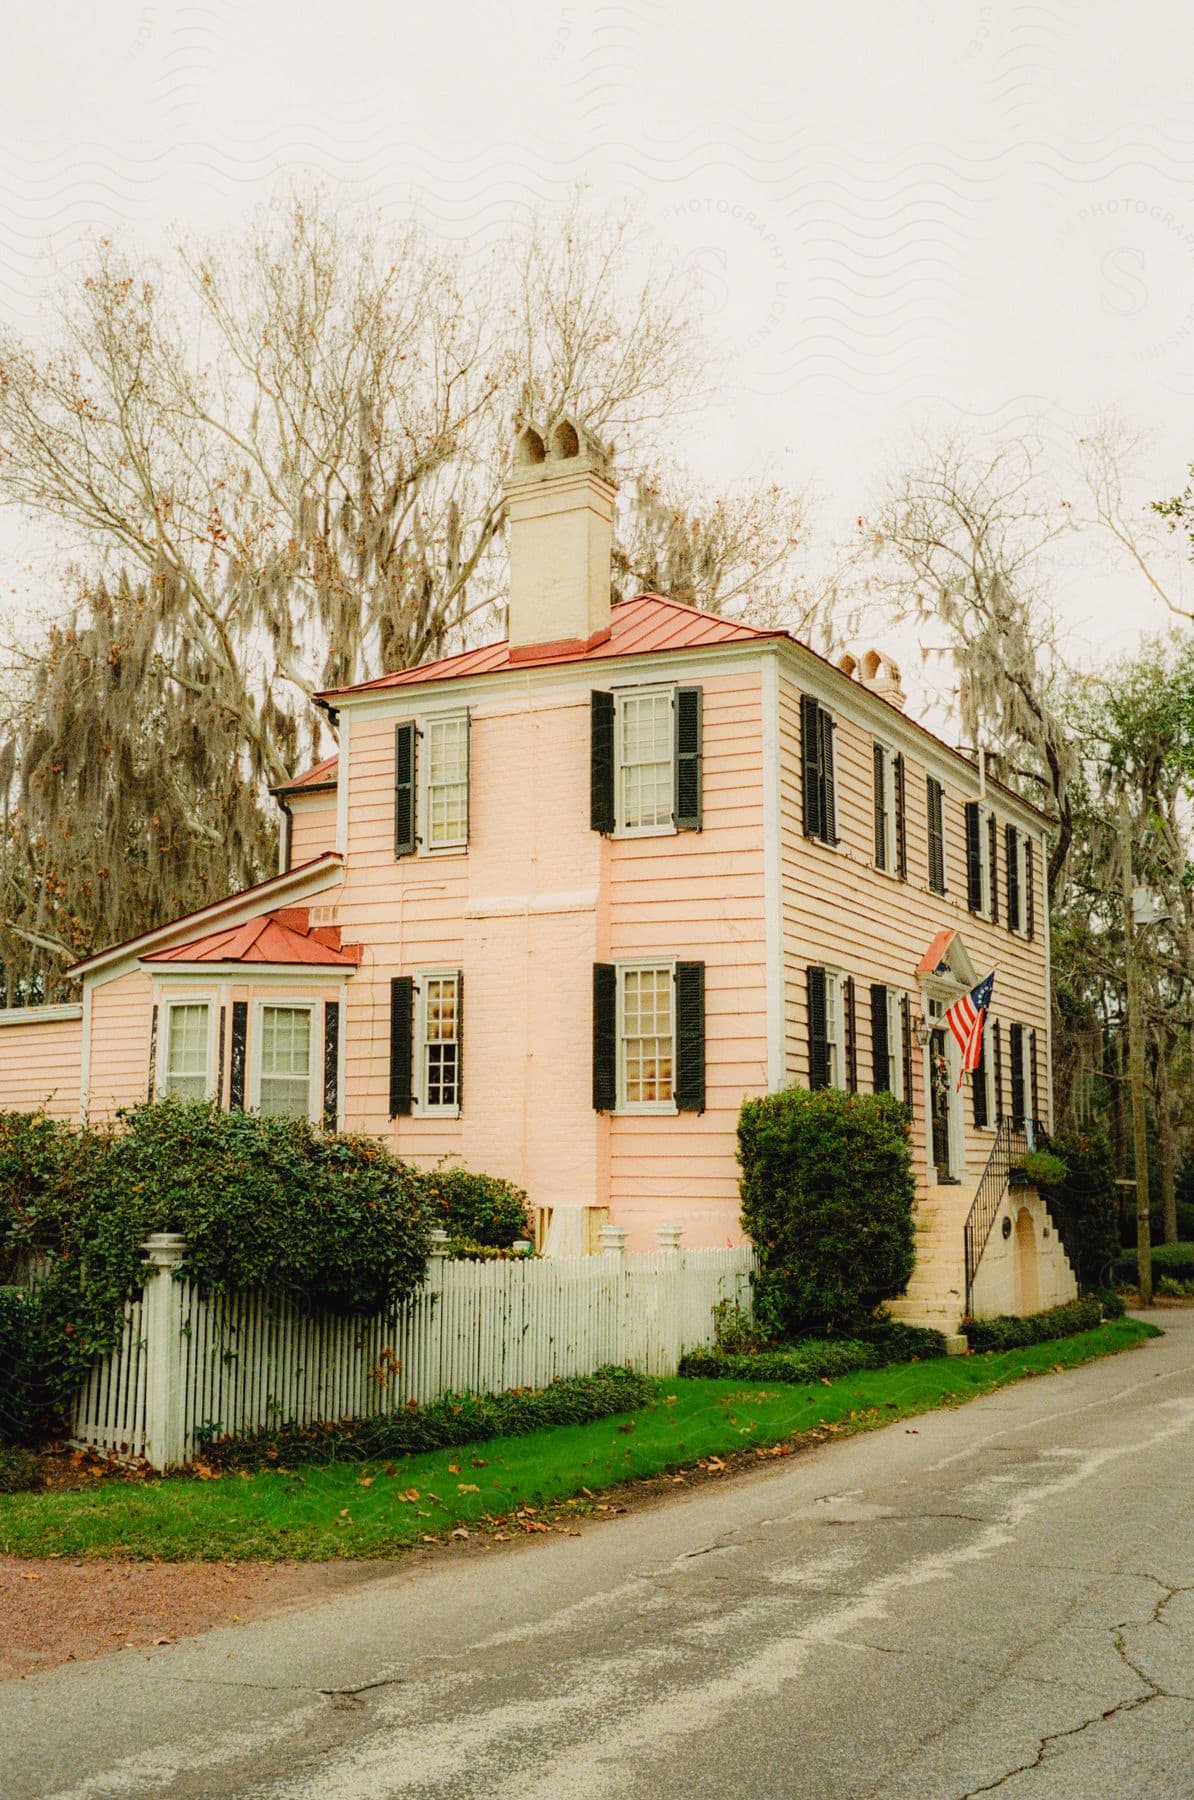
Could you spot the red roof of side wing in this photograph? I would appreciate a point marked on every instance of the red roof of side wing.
(273, 938)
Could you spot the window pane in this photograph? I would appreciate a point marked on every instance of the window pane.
(441, 1050)
(285, 1061)
(447, 782)
(186, 1051)
(645, 759)
(647, 1035)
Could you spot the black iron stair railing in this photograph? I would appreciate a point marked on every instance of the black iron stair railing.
(1013, 1140)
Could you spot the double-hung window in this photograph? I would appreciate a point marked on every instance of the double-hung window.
(887, 1039)
(890, 849)
(187, 1066)
(445, 802)
(431, 784)
(817, 772)
(646, 760)
(646, 1038)
(831, 1051)
(438, 1036)
(980, 842)
(284, 1061)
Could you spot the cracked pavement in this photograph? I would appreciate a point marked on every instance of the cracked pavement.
(999, 1599)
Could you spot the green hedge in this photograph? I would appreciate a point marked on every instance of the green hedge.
(822, 1357)
(1175, 1260)
(877, 1343)
(19, 1332)
(1010, 1333)
(453, 1419)
(827, 1199)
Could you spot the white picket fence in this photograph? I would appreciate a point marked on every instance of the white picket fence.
(245, 1362)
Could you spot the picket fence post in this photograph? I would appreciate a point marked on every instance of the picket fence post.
(161, 1324)
(611, 1246)
(669, 1302)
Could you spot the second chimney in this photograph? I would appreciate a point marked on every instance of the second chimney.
(560, 504)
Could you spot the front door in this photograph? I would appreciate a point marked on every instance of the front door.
(939, 1105)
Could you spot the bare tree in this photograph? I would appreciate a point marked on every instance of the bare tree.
(962, 542)
(1106, 454)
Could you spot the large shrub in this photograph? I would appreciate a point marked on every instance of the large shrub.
(827, 1197)
(1084, 1205)
(330, 1222)
(19, 1331)
(1174, 1260)
(477, 1209)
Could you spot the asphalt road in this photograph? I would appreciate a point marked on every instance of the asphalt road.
(997, 1599)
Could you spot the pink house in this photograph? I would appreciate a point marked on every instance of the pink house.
(561, 902)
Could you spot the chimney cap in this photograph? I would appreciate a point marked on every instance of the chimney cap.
(562, 446)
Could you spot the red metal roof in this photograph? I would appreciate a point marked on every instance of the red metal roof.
(323, 772)
(278, 937)
(934, 958)
(648, 623)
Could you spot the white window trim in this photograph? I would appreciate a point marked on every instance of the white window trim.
(442, 716)
(642, 1108)
(314, 1078)
(895, 1042)
(890, 866)
(162, 1068)
(646, 691)
(835, 1027)
(419, 1106)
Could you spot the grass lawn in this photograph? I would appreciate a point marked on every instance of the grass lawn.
(375, 1510)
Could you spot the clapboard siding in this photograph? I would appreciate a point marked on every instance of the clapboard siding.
(121, 1013)
(41, 1065)
(312, 827)
(840, 910)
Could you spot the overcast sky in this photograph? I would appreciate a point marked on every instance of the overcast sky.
(895, 215)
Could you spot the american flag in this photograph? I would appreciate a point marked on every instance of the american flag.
(966, 1018)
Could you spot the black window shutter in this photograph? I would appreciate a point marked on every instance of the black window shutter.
(1029, 890)
(851, 1024)
(1016, 1037)
(818, 1045)
(974, 858)
(605, 1037)
(978, 1081)
(934, 801)
(459, 1038)
(1013, 878)
(236, 1064)
(687, 815)
(331, 1064)
(405, 754)
(880, 1048)
(997, 1029)
(901, 821)
(690, 1037)
(828, 797)
(402, 1018)
(880, 767)
(906, 1046)
(220, 1057)
(993, 861)
(153, 1054)
(601, 762)
(1034, 1077)
(810, 764)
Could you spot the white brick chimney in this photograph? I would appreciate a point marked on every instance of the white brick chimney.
(560, 505)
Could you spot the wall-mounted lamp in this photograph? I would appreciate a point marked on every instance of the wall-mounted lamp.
(923, 1029)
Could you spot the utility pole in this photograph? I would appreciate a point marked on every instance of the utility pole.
(1144, 1252)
